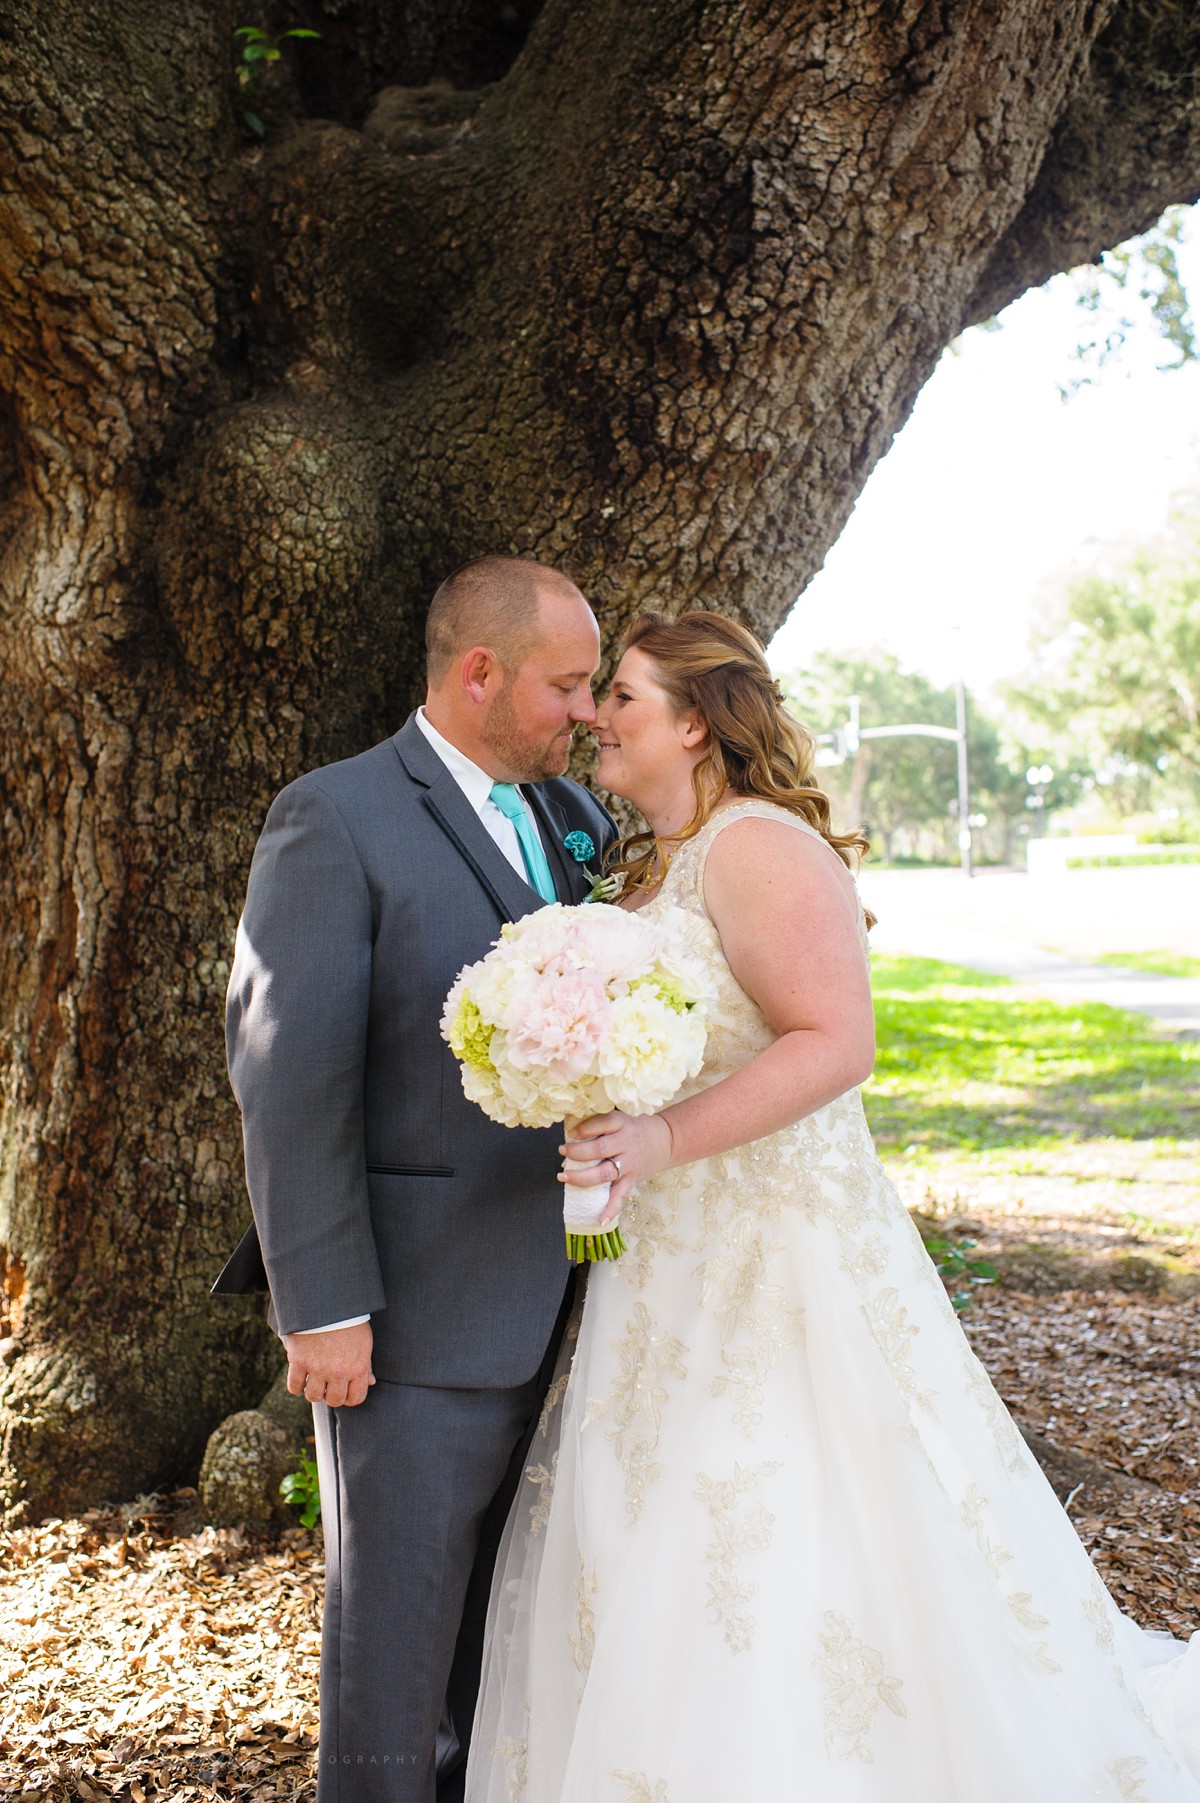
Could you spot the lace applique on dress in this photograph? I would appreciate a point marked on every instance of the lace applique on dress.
(758, 1324)
(1009, 1443)
(856, 1685)
(736, 1531)
(542, 1477)
(554, 1396)
(647, 1354)
(894, 1333)
(1124, 1773)
(515, 1753)
(640, 1789)
(971, 1509)
(583, 1640)
(647, 1223)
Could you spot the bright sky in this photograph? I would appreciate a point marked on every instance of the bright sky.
(996, 489)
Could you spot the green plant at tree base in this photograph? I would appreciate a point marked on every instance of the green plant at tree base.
(301, 1489)
(952, 1265)
(257, 49)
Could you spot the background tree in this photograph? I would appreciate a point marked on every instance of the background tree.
(999, 791)
(908, 785)
(890, 785)
(1142, 278)
(646, 291)
(1116, 672)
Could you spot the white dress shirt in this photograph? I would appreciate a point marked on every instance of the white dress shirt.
(476, 785)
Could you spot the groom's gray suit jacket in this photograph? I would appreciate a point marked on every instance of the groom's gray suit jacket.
(376, 1187)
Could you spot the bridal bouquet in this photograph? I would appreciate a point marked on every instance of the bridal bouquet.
(575, 1011)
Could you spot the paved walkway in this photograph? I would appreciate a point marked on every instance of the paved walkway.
(923, 932)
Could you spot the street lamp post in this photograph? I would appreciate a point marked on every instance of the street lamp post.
(844, 741)
(964, 805)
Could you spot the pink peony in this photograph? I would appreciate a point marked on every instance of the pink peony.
(616, 945)
(557, 941)
(562, 1022)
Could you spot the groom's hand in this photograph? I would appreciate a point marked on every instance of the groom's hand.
(331, 1367)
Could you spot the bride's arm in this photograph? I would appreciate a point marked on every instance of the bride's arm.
(787, 914)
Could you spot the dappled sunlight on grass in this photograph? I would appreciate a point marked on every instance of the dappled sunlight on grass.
(1154, 964)
(966, 1063)
(914, 976)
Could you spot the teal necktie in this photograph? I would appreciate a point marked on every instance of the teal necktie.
(509, 802)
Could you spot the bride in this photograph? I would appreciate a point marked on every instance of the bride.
(779, 1538)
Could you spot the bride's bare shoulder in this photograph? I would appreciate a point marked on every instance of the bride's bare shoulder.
(764, 832)
(758, 847)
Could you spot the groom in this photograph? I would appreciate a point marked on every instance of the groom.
(412, 1247)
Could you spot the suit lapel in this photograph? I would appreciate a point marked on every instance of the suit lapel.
(458, 820)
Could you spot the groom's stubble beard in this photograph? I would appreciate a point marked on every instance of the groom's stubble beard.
(531, 760)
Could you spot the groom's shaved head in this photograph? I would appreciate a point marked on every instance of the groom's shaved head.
(491, 601)
(512, 646)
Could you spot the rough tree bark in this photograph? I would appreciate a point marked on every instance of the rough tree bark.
(649, 301)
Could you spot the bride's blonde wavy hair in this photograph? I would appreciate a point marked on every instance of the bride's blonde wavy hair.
(711, 665)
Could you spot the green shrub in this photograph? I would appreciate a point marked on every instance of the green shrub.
(302, 1490)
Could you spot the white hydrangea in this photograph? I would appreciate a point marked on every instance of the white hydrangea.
(496, 985)
(648, 1051)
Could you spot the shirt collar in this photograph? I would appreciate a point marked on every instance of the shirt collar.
(475, 783)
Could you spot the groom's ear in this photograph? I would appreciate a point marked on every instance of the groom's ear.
(481, 674)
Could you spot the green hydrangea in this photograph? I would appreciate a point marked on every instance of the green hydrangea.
(471, 1036)
(669, 991)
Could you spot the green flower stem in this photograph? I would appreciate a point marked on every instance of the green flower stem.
(585, 1248)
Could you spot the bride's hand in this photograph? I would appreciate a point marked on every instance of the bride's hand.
(641, 1145)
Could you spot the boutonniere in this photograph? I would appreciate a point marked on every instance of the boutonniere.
(582, 846)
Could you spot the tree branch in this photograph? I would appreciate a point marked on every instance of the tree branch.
(1128, 146)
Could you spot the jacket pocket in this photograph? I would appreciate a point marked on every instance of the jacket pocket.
(410, 1170)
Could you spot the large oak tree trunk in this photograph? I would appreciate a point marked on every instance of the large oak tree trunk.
(648, 300)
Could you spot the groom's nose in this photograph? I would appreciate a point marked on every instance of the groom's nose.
(583, 708)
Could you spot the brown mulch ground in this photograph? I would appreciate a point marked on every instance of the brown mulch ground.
(153, 1658)
(150, 1659)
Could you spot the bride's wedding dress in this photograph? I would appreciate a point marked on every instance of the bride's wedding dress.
(779, 1538)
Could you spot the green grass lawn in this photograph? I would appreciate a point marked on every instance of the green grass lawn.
(1155, 964)
(963, 1065)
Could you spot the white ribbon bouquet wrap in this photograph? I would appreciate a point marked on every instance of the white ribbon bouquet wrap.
(576, 1011)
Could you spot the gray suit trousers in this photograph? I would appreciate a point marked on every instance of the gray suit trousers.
(416, 1484)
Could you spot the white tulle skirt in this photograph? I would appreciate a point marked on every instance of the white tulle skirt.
(779, 1538)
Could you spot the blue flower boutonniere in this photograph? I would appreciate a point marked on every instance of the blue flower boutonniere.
(582, 847)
